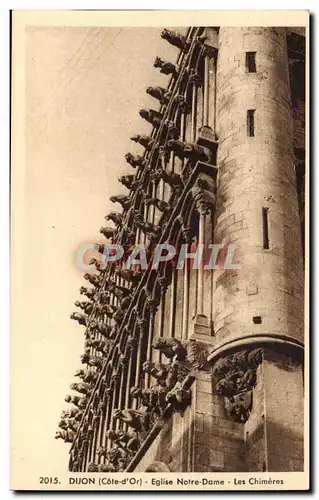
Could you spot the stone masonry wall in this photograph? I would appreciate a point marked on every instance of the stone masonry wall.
(257, 172)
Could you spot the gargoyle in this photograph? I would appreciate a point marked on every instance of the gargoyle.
(87, 307)
(123, 439)
(83, 388)
(147, 227)
(100, 345)
(161, 205)
(118, 457)
(92, 360)
(135, 161)
(159, 93)
(136, 419)
(239, 413)
(172, 130)
(69, 423)
(92, 467)
(182, 103)
(76, 400)
(145, 141)
(175, 38)
(89, 292)
(99, 264)
(151, 116)
(118, 316)
(100, 327)
(129, 275)
(82, 319)
(86, 375)
(196, 355)
(67, 436)
(73, 412)
(150, 397)
(92, 278)
(161, 373)
(122, 199)
(179, 398)
(119, 291)
(186, 150)
(115, 217)
(171, 178)
(237, 373)
(108, 232)
(171, 348)
(107, 309)
(125, 303)
(166, 68)
(128, 181)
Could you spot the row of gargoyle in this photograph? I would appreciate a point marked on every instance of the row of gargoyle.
(182, 150)
(98, 334)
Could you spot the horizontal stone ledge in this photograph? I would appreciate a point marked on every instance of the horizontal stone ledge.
(287, 343)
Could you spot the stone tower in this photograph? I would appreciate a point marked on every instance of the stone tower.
(193, 369)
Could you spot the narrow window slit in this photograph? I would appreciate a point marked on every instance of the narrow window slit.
(251, 122)
(265, 228)
(251, 62)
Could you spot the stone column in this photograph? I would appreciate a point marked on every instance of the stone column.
(261, 304)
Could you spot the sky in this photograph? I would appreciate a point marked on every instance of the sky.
(83, 90)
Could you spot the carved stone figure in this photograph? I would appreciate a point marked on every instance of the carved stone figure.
(100, 327)
(108, 232)
(125, 303)
(172, 130)
(107, 309)
(119, 291)
(175, 38)
(115, 217)
(100, 345)
(89, 292)
(73, 412)
(123, 200)
(87, 307)
(151, 116)
(150, 397)
(159, 93)
(128, 181)
(236, 378)
(67, 436)
(171, 178)
(82, 319)
(183, 105)
(83, 388)
(147, 227)
(92, 467)
(92, 360)
(136, 419)
(118, 316)
(78, 401)
(179, 398)
(135, 161)
(123, 439)
(166, 68)
(161, 205)
(171, 348)
(129, 275)
(187, 150)
(69, 423)
(99, 264)
(145, 140)
(86, 376)
(165, 375)
(92, 278)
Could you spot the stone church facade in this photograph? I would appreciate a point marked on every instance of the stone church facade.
(196, 370)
